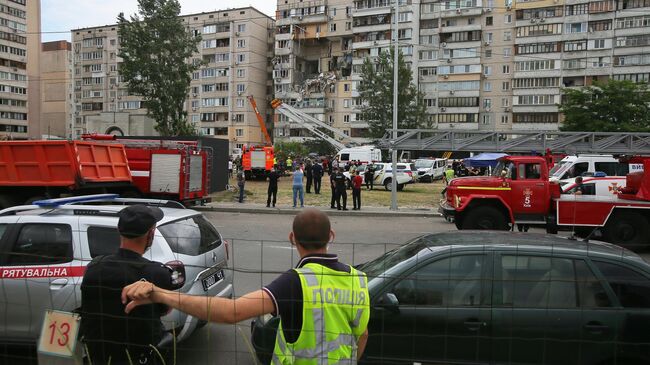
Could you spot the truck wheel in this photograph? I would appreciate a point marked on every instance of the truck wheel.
(485, 217)
(387, 184)
(627, 229)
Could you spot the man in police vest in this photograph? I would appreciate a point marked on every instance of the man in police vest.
(323, 304)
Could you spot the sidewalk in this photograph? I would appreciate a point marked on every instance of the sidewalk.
(364, 212)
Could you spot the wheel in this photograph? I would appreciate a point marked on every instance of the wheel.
(387, 184)
(400, 187)
(629, 229)
(485, 217)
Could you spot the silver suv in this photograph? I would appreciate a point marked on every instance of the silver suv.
(45, 247)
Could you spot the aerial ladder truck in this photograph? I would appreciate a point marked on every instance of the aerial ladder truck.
(257, 161)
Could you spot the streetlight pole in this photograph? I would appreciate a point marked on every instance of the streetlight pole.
(393, 190)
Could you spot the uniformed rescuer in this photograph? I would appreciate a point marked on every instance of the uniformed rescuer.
(111, 335)
(323, 304)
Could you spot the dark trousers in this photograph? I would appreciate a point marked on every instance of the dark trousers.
(333, 198)
(317, 185)
(370, 181)
(309, 181)
(341, 194)
(241, 193)
(356, 198)
(273, 191)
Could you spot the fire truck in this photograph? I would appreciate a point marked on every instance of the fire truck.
(519, 193)
(257, 161)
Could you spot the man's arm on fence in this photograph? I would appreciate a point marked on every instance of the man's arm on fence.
(213, 309)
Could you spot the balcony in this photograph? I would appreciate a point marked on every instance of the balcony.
(303, 19)
(462, 12)
(371, 44)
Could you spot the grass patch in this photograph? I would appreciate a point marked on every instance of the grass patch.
(419, 195)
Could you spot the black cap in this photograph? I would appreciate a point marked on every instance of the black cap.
(137, 220)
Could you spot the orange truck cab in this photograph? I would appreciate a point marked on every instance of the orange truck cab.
(257, 161)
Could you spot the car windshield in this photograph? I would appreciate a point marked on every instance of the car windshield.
(502, 165)
(393, 257)
(559, 168)
(423, 164)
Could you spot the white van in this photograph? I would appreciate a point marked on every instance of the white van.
(606, 172)
(600, 186)
(429, 169)
(365, 154)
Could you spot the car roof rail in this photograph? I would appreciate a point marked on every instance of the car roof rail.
(161, 203)
(112, 199)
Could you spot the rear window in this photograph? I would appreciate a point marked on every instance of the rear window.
(39, 244)
(192, 236)
(103, 241)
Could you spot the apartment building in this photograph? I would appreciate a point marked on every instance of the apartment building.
(235, 52)
(20, 25)
(56, 93)
(489, 64)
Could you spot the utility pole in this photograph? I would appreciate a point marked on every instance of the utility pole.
(393, 190)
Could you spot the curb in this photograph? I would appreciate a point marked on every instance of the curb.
(330, 212)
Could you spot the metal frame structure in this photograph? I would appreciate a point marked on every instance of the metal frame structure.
(518, 141)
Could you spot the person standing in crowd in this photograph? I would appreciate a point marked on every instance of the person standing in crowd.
(449, 174)
(341, 193)
(230, 169)
(110, 335)
(333, 186)
(369, 176)
(357, 181)
(314, 328)
(273, 187)
(353, 168)
(289, 164)
(335, 166)
(317, 175)
(309, 174)
(298, 191)
(241, 181)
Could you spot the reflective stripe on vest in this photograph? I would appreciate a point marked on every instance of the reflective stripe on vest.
(335, 314)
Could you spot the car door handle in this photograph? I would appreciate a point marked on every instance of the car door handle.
(595, 327)
(58, 283)
(474, 324)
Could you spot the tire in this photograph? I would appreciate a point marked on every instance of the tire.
(485, 217)
(387, 184)
(400, 187)
(628, 229)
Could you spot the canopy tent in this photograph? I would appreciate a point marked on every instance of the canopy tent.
(483, 160)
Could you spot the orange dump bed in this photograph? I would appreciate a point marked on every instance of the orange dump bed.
(61, 163)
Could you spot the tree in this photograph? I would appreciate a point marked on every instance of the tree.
(283, 150)
(156, 48)
(612, 106)
(376, 93)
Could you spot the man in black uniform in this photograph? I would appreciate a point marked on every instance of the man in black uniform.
(309, 175)
(317, 173)
(341, 193)
(273, 186)
(108, 332)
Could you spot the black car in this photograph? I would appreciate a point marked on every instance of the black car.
(504, 298)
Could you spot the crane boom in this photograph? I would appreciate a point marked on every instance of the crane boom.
(260, 120)
(311, 123)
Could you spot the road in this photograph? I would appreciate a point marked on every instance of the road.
(259, 244)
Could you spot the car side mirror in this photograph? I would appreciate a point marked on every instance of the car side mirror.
(389, 301)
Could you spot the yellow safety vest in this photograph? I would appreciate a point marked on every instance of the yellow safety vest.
(336, 310)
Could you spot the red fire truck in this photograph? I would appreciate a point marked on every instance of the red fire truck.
(166, 169)
(257, 161)
(520, 193)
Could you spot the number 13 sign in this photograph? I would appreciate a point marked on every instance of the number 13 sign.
(59, 333)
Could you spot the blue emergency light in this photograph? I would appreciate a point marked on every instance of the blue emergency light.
(53, 203)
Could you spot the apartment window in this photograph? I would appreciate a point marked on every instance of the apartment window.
(505, 86)
(487, 86)
(346, 87)
(505, 119)
(195, 104)
(487, 103)
(507, 35)
(241, 58)
(241, 88)
(241, 72)
(405, 33)
(486, 119)
(430, 103)
(505, 69)
(489, 37)
(241, 28)
(487, 70)
(488, 53)
(346, 119)
(507, 19)
(333, 27)
(507, 52)
(505, 102)
(241, 43)
(599, 43)
(576, 27)
(238, 118)
(348, 25)
(405, 17)
(489, 20)
(240, 102)
(239, 132)
(346, 103)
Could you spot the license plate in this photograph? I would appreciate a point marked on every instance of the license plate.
(212, 280)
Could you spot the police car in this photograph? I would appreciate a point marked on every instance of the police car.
(45, 247)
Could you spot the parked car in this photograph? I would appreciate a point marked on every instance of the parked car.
(384, 175)
(50, 243)
(503, 298)
(429, 169)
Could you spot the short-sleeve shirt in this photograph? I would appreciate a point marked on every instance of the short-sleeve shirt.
(286, 292)
(105, 326)
(357, 181)
(298, 175)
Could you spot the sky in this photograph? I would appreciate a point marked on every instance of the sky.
(58, 17)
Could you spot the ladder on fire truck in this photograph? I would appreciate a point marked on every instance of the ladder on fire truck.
(312, 124)
(518, 141)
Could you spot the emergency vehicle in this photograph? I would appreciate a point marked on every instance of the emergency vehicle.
(519, 192)
(257, 161)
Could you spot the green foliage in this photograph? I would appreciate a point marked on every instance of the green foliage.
(156, 48)
(613, 106)
(376, 91)
(283, 150)
(319, 146)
